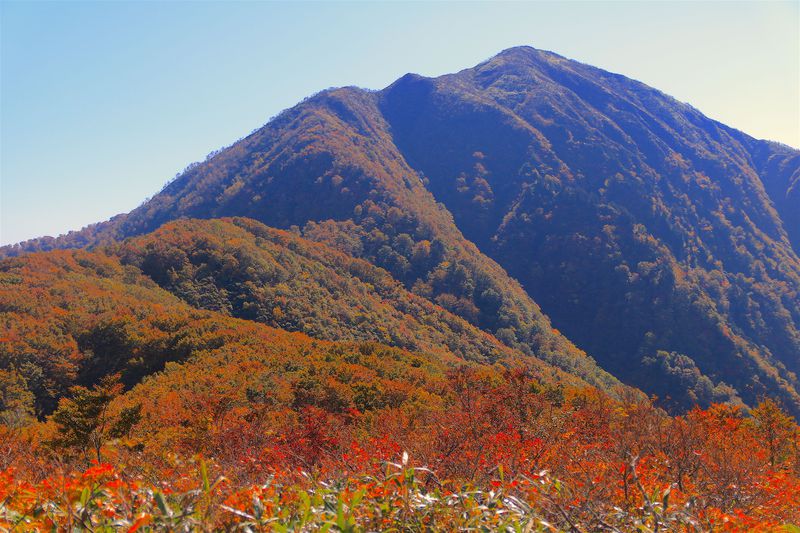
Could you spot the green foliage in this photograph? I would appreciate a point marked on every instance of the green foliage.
(667, 372)
(83, 420)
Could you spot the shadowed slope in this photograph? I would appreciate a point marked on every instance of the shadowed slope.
(648, 232)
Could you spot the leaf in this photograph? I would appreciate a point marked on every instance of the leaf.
(142, 520)
(258, 507)
(204, 476)
(85, 496)
(341, 521)
(357, 497)
(162, 504)
(665, 498)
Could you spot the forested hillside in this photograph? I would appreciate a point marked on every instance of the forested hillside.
(528, 296)
(242, 268)
(659, 241)
(75, 317)
(655, 238)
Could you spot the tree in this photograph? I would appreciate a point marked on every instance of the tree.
(16, 401)
(775, 428)
(84, 421)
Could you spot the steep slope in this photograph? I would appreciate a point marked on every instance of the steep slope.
(242, 268)
(331, 159)
(779, 169)
(648, 232)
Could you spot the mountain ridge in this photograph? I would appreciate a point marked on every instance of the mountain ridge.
(78, 237)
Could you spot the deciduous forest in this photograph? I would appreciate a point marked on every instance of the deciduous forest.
(528, 296)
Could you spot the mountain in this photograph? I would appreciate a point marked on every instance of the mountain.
(663, 243)
(655, 238)
(310, 164)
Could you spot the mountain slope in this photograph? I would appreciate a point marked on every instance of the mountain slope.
(779, 168)
(657, 239)
(242, 268)
(72, 317)
(648, 232)
(331, 159)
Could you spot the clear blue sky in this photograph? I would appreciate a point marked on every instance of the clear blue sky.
(103, 102)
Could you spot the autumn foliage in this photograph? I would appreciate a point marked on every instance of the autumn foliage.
(122, 406)
(497, 450)
(374, 364)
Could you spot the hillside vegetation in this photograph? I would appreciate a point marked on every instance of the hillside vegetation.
(659, 241)
(528, 296)
(242, 268)
(229, 423)
(75, 317)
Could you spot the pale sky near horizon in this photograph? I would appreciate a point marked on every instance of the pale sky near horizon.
(101, 103)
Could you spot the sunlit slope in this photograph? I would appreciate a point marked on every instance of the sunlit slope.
(72, 316)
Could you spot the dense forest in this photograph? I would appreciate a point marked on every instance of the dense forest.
(638, 224)
(530, 295)
(662, 243)
(180, 415)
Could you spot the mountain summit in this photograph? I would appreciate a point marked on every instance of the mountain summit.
(661, 242)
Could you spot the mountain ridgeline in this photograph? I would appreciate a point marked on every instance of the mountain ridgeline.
(531, 207)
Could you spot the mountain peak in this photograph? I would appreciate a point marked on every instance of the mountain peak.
(520, 62)
(526, 54)
(520, 50)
